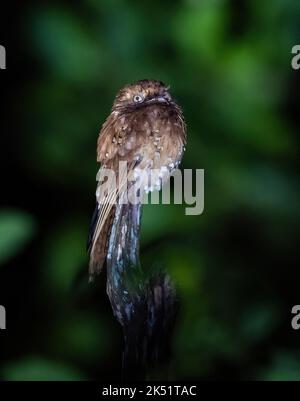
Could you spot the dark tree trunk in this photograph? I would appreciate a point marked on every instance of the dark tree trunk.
(145, 307)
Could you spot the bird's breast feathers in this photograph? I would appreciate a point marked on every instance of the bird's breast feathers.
(154, 136)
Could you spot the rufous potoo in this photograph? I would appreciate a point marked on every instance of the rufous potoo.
(145, 129)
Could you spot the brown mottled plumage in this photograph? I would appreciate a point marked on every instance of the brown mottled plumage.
(147, 130)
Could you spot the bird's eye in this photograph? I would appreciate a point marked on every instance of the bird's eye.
(138, 98)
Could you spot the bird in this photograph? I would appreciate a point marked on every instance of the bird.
(147, 131)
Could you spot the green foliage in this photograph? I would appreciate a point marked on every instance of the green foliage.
(284, 366)
(66, 256)
(16, 230)
(235, 266)
(36, 368)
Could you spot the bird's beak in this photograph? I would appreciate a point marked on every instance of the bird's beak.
(161, 99)
(158, 99)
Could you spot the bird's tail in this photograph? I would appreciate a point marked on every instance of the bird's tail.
(98, 246)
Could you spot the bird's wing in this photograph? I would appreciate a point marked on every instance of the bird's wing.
(116, 143)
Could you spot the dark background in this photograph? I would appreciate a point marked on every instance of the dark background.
(236, 266)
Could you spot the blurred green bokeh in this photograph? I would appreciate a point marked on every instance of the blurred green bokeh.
(235, 266)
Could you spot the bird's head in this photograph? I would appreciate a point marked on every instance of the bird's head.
(142, 94)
